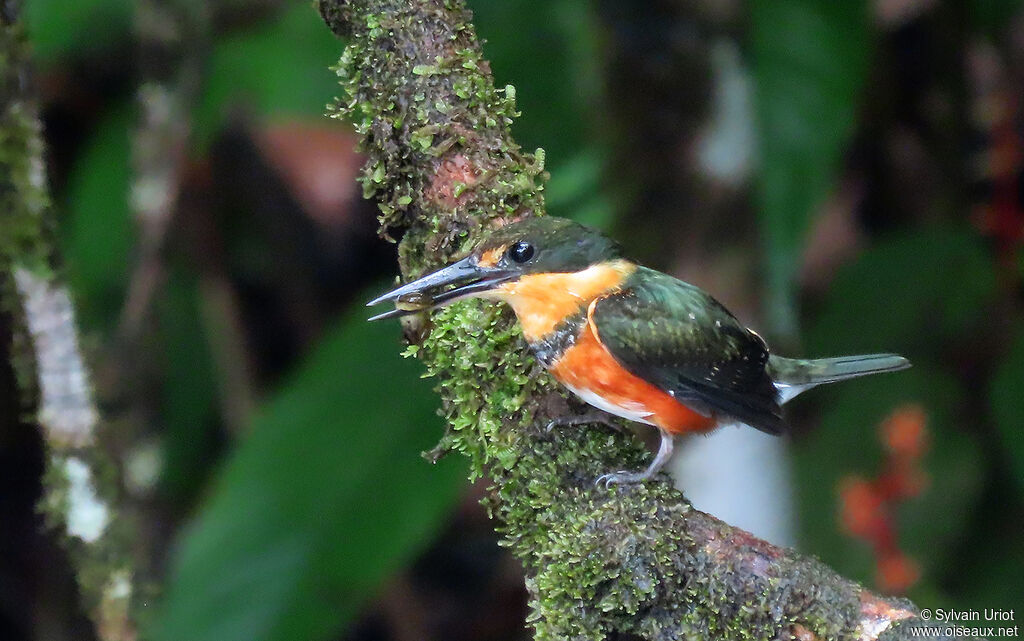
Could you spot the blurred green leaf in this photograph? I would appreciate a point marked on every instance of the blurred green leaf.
(558, 83)
(326, 496)
(188, 408)
(576, 190)
(994, 17)
(905, 293)
(98, 233)
(995, 579)
(848, 443)
(65, 28)
(549, 51)
(809, 64)
(1007, 396)
(278, 68)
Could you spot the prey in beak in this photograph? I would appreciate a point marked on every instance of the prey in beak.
(459, 280)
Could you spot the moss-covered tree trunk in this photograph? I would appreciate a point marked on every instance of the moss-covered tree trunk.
(636, 559)
(81, 490)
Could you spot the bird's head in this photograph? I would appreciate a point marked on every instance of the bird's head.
(527, 247)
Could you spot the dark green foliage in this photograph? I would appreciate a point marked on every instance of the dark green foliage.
(64, 28)
(276, 68)
(311, 511)
(1008, 406)
(992, 17)
(809, 62)
(189, 395)
(98, 230)
(905, 293)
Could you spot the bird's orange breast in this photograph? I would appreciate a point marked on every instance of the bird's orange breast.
(543, 301)
(589, 369)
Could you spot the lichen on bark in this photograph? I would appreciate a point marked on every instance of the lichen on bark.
(444, 168)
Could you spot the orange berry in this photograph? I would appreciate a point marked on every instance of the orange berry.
(897, 572)
(860, 507)
(904, 432)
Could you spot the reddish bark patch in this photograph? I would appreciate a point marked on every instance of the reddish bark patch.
(873, 607)
(877, 615)
(800, 633)
(744, 550)
(453, 178)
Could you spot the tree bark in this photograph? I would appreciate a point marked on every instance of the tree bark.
(637, 559)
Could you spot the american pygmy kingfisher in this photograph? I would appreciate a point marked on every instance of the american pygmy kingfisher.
(626, 339)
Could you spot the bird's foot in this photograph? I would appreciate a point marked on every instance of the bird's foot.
(622, 478)
(583, 419)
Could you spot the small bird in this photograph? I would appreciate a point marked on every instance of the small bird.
(629, 340)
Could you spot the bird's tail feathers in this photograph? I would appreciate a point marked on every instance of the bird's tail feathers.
(795, 375)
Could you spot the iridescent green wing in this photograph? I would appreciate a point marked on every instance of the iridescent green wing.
(678, 338)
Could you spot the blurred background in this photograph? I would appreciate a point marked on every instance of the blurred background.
(846, 177)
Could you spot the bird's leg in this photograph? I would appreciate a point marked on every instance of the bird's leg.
(664, 454)
(584, 419)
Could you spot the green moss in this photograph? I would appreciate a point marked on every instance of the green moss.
(407, 135)
(487, 404)
(23, 195)
(406, 140)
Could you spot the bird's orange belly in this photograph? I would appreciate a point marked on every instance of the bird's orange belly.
(593, 374)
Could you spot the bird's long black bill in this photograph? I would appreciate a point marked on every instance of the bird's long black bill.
(446, 285)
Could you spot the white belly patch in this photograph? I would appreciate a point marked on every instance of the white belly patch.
(631, 412)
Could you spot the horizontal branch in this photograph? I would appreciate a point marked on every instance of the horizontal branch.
(443, 166)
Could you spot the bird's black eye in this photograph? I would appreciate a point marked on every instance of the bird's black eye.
(521, 251)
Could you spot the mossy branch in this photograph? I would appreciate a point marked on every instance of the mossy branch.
(80, 495)
(640, 560)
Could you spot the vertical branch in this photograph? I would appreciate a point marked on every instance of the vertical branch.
(171, 39)
(80, 483)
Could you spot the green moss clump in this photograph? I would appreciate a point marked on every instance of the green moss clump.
(23, 194)
(488, 382)
(440, 157)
